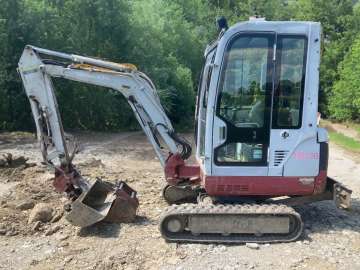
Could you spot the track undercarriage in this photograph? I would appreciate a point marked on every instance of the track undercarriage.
(230, 223)
(210, 220)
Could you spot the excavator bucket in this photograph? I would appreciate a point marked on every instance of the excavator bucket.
(103, 202)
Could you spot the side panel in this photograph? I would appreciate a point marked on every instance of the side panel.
(257, 186)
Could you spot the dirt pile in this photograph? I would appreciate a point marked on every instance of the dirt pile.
(12, 167)
(25, 188)
(9, 161)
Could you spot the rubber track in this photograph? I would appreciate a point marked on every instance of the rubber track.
(185, 210)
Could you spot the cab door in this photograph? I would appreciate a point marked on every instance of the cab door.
(294, 148)
(242, 115)
(202, 108)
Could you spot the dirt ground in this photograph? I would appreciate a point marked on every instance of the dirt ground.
(345, 129)
(331, 239)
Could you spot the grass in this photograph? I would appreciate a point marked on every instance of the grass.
(345, 141)
(357, 128)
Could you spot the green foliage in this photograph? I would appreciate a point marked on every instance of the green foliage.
(159, 27)
(165, 39)
(345, 100)
(344, 141)
(151, 34)
(14, 105)
(340, 24)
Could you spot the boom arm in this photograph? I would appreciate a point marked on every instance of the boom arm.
(36, 72)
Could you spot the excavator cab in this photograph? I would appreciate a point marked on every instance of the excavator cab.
(258, 138)
(257, 111)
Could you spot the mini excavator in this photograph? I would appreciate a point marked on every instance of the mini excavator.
(259, 148)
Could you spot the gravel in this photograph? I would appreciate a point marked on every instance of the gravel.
(331, 240)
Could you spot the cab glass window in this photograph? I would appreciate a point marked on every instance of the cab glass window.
(290, 80)
(242, 98)
(245, 99)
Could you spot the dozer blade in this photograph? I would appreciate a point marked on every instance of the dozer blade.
(341, 194)
(102, 202)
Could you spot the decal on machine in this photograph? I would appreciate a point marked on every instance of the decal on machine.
(300, 155)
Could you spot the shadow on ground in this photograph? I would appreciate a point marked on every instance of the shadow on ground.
(109, 230)
(102, 230)
(324, 217)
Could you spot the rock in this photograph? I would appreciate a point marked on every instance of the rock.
(63, 237)
(57, 217)
(52, 230)
(182, 255)
(130, 267)
(12, 232)
(2, 162)
(306, 242)
(25, 205)
(172, 260)
(222, 248)
(34, 262)
(252, 245)
(210, 247)
(41, 212)
(64, 244)
(2, 231)
(36, 226)
(68, 259)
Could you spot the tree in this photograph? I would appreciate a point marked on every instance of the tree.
(3, 40)
(14, 104)
(165, 39)
(340, 25)
(345, 101)
(165, 46)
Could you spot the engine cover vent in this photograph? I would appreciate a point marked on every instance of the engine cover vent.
(279, 157)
